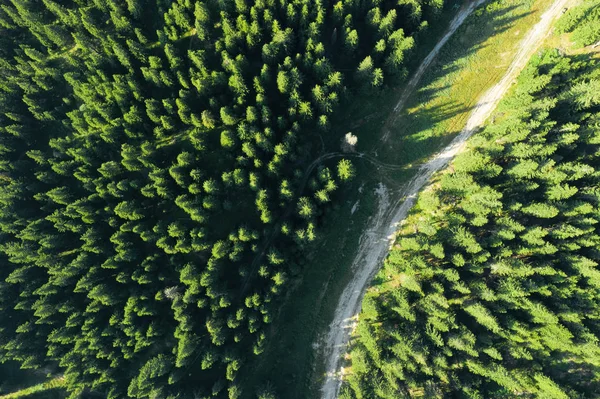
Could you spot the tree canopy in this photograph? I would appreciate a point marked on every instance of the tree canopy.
(584, 23)
(492, 289)
(154, 195)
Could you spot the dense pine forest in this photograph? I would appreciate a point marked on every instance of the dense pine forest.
(492, 288)
(157, 179)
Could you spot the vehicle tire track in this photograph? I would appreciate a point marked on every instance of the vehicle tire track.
(373, 246)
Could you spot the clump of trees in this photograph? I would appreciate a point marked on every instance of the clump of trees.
(584, 22)
(154, 201)
(492, 289)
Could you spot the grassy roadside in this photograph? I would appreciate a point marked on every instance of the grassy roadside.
(561, 42)
(472, 61)
(20, 382)
(388, 280)
(475, 59)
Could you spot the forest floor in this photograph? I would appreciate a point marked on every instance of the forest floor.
(27, 383)
(302, 356)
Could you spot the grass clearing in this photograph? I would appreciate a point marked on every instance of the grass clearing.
(471, 62)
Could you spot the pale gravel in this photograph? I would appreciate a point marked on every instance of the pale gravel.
(375, 242)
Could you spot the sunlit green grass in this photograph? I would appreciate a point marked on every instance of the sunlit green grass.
(470, 63)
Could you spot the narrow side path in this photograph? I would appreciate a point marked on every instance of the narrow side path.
(57, 382)
(391, 211)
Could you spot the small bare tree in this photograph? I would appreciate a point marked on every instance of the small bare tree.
(171, 292)
(349, 142)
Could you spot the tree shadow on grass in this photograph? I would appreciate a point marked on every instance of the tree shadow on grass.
(13, 377)
(418, 134)
(421, 138)
(288, 359)
(469, 39)
(378, 105)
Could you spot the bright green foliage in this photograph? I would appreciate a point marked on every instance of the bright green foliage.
(495, 287)
(345, 170)
(583, 21)
(154, 196)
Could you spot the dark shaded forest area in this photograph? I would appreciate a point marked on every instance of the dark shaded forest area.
(154, 200)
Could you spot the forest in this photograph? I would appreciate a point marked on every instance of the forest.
(158, 184)
(583, 22)
(492, 288)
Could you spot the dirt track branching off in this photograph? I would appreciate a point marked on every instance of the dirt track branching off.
(391, 211)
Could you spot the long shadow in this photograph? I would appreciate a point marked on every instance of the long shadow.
(415, 135)
(13, 378)
(448, 61)
(458, 48)
(287, 365)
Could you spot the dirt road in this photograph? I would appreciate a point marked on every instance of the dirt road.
(456, 22)
(374, 243)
